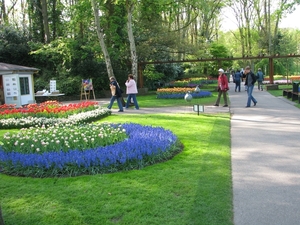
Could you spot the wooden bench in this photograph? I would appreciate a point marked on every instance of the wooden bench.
(293, 95)
(285, 92)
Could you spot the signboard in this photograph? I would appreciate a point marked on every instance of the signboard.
(198, 108)
(52, 86)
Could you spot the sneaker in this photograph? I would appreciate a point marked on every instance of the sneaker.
(216, 105)
(225, 105)
(255, 103)
(120, 111)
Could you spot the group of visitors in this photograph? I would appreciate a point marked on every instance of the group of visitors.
(116, 93)
(237, 76)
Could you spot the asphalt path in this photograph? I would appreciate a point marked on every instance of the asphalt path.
(265, 150)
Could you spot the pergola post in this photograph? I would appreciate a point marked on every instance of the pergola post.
(271, 70)
(140, 76)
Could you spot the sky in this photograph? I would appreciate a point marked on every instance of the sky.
(290, 21)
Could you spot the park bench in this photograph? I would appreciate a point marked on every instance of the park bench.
(294, 94)
(291, 95)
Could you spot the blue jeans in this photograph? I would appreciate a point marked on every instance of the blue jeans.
(112, 100)
(133, 97)
(250, 97)
(238, 86)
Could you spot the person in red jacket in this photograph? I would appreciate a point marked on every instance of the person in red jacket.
(222, 88)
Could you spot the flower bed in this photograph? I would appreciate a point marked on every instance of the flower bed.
(62, 137)
(47, 109)
(50, 113)
(177, 93)
(144, 146)
(191, 82)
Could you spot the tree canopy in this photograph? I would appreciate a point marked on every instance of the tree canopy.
(73, 40)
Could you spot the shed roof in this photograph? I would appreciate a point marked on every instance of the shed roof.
(5, 67)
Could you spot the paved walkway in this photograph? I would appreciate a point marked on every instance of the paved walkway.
(265, 146)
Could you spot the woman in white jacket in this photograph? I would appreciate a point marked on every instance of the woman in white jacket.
(131, 91)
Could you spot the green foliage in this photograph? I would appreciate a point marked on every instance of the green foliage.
(157, 75)
(70, 85)
(35, 14)
(13, 46)
(219, 51)
(151, 74)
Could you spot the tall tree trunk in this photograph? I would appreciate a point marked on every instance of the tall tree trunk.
(101, 40)
(134, 57)
(3, 16)
(45, 21)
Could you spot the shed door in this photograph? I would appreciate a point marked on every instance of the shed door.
(26, 89)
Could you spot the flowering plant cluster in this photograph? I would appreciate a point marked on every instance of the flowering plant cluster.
(49, 109)
(136, 151)
(62, 137)
(90, 113)
(191, 82)
(179, 93)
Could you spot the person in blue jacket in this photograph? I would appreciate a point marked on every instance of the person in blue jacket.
(260, 79)
(237, 80)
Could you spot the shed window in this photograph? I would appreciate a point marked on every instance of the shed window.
(24, 85)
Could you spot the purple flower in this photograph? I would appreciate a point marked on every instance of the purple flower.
(143, 143)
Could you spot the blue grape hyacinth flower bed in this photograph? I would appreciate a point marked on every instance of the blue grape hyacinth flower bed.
(144, 146)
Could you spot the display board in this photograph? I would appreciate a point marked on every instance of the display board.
(86, 89)
(52, 86)
(87, 84)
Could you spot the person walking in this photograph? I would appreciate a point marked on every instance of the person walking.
(250, 81)
(116, 93)
(260, 79)
(131, 91)
(237, 80)
(222, 87)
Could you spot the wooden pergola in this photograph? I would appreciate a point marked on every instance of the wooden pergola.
(219, 60)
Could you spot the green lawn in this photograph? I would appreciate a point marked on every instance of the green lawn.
(279, 92)
(150, 100)
(192, 188)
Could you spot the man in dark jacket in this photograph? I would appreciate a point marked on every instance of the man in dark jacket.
(116, 93)
(250, 81)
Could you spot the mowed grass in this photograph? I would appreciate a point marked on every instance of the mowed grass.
(279, 92)
(150, 100)
(192, 188)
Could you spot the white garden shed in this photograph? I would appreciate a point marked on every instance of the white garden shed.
(16, 84)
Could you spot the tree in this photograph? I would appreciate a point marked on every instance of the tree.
(13, 46)
(100, 34)
(134, 57)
